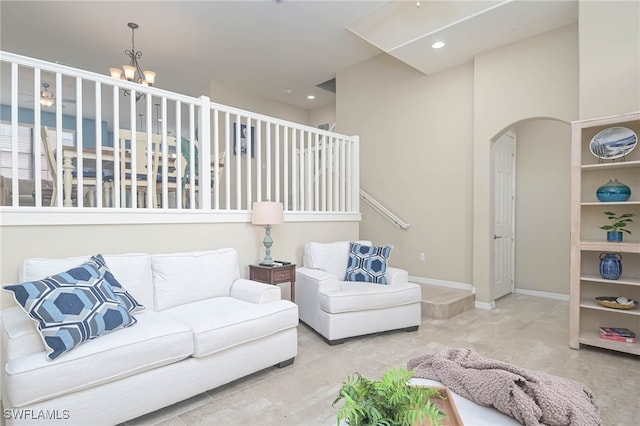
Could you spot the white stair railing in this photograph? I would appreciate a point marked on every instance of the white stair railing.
(385, 212)
(181, 141)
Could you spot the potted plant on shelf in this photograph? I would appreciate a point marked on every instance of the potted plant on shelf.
(391, 401)
(618, 225)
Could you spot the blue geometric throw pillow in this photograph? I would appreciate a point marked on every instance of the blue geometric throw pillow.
(368, 263)
(121, 293)
(72, 307)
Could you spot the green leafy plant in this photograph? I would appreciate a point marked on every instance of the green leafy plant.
(390, 401)
(619, 223)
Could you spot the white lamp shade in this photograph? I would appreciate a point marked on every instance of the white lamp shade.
(267, 213)
(115, 72)
(149, 77)
(129, 72)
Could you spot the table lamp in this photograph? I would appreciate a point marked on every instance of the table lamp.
(267, 213)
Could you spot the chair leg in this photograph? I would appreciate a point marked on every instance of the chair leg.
(285, 363)
(54, 197)
(106, 194)
(92, 196)
(141, 198)
(334, 342)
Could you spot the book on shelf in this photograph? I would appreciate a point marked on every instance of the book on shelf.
(617, 331)
(618, 338)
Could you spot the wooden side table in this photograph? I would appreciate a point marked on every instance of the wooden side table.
(275, 275)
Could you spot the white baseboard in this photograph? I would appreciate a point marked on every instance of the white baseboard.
(442, 283)
(485, 306)
(544, 294)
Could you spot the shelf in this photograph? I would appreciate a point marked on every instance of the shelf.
(599, 279)
(608, 166)
(612, 203)
(628, 247)
(592, 338)
(592, 304)
(588, 173)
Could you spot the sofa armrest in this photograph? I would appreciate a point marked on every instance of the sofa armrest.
(397, 276)
(255, 292)
(315, 278)
(19, 335)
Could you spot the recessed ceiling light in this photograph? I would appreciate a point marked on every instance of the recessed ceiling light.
(311, 97)
(438, 44)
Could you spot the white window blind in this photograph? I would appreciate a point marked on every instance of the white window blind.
(26, 161)
(24, 152)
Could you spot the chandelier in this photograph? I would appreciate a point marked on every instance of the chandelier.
(46, 97)
(133, 71)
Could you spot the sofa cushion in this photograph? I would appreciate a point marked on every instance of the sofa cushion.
(368, 263)
(133, 271)
(356, 296)
(329, 257)
(155, 341)
(129, 302)
(223, 322)
(72, 306)
(181, 278)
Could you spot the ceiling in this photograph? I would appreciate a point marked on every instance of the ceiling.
(277, 49)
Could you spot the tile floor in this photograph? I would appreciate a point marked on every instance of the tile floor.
(523, 330)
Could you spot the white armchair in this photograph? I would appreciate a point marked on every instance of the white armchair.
(339, 309)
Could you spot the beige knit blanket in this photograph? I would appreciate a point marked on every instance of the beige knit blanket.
(531, 397)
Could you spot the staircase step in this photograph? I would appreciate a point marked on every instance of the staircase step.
(440, 302)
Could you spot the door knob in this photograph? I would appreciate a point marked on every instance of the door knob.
(495, 237)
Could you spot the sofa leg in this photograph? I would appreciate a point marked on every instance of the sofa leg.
(414, 328)
(285, 363)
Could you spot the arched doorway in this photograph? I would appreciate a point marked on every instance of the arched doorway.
(537, 207)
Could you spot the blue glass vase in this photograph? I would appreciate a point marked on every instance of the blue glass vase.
(613, 191)
(610, 266)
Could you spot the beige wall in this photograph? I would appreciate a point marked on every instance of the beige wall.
(609, 57)
(416, 144)
(323, 115)
(425, 146)
(542, 206)
(237, 98)
(537, 77)
(20, 242)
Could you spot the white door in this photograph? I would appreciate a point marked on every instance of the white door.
(504, 154)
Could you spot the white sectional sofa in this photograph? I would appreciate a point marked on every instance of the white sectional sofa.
(202, 326)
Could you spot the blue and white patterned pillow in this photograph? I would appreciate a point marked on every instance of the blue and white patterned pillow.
(121, 293)
(368, 263)
(72, 307)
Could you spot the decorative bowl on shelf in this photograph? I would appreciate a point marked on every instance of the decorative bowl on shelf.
(616, 302)
(612, 143)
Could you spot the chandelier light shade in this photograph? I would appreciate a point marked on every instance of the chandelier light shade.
(267, 213)
(46, 97)
(133, 71)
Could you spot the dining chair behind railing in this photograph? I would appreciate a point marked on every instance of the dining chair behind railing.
(137, 170)
(89, 179)
(141, 174)
(186, 175)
